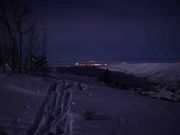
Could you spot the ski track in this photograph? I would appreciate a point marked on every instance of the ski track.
(54, 116)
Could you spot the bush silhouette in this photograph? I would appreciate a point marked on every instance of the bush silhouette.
(105, 77)
(89, 115)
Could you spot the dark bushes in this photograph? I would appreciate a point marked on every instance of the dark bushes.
(105, 77)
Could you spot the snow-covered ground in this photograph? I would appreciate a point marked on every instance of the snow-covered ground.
(158, 72)
(20, 99)
(123, 113)
(78, 105)
(166, 75)
(119, 112)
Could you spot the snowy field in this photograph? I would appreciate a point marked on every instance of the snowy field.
(166, 75)
(123, 113)
(77, 105)
(157, 72)
(101, 110)
(20, 99)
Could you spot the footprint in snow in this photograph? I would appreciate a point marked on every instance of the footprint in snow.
(18, 120)
(90, 94)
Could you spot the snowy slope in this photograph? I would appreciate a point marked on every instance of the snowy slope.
(159, 72)
(119, 112)
(44, 107)
(20, 98)
(124, 113)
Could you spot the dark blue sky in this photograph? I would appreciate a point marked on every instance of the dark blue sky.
(110, 29)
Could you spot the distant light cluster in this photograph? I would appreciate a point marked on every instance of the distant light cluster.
(89, 64)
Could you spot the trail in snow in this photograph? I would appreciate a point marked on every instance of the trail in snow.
(55, 115)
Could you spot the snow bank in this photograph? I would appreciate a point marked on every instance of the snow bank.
(162, 94)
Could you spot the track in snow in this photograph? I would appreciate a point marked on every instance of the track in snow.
(54, 116)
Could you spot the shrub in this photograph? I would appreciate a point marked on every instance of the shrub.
(105, 77)
(89, 115)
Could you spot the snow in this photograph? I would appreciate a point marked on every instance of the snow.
(162, 94)
(120, 112)
(167, 75)
(158, 72)
(54, 114)
(19, 102)
(76, 105)
(83, 86)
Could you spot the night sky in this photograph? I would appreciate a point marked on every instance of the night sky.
(110, 30)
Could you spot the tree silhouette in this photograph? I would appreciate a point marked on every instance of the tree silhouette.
(17, 24)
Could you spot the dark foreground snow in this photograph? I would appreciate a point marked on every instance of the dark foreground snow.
(20, 99)
(119, 112)
(54, 116)
(74, 105)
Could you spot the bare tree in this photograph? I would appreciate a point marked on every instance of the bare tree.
(32, 40)
(32, 48)
(15, 17)
(26, 48)
(44, 54)
(39, 57)
(3, 48)
(5, 19)
(21, 13)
